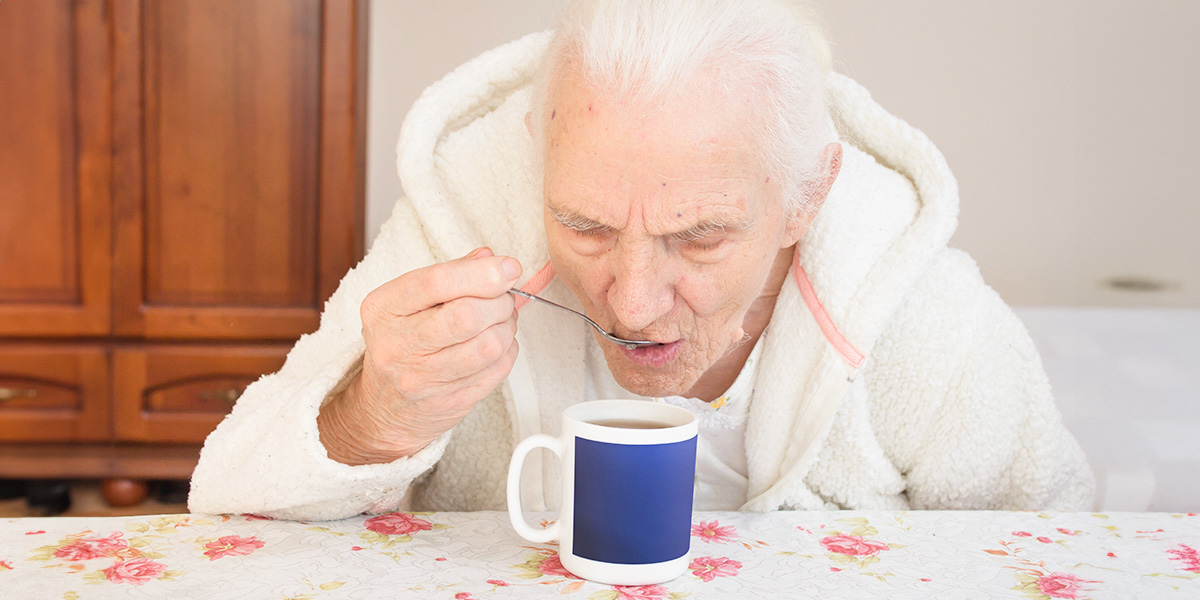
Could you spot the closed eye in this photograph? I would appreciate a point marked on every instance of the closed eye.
(592, 231)
(705, 236)
(579, 224)
(706, 243)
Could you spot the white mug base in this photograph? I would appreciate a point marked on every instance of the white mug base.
(618, 574)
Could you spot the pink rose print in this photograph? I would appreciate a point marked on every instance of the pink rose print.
(709, 568)
(853, 545)
(397, 523)
(232, 545)
(1022, 534)
(498, 582)
(641, 592)
(462, 596)
(1065, 531)
(553, 566)
(1188, 556)
(136, 571)
(5, 565)
(89, 548)
(1060, 585)
(1044, 540)
(713, 532)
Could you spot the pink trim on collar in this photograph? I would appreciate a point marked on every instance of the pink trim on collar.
(835, 337)
(537, 283)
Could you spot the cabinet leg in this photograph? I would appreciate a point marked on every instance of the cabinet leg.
(124, 492)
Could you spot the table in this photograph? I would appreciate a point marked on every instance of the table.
(476, 556)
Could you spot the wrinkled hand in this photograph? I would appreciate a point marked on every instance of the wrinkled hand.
(438, 340)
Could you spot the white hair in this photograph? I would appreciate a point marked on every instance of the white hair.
(767, 51)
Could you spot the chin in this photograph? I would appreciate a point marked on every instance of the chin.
(651, 389)
(656, 385)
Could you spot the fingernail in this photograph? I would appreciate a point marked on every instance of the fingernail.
(512, 268)
(476, 251)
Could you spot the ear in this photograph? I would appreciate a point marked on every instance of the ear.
(529, 123)
(830, 162)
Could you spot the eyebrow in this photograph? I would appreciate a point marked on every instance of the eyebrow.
(573, 220)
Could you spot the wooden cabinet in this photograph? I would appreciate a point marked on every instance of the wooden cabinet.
(181, 188)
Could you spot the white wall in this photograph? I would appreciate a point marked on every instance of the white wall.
(1070, 124)
(413, 43)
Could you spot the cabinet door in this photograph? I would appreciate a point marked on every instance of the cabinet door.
(238, 126)
(53, 393)
(180, 393)
(55, 143)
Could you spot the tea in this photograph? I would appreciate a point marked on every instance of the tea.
(621, 423)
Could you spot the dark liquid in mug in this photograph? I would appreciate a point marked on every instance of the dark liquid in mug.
(630, 423)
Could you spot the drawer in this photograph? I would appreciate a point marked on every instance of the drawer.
(180, 393)
(51, 392)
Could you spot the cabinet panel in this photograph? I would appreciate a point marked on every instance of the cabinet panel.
(180, 393)
(53, 393)
(231, 117)
(54, 168)
(226, 228)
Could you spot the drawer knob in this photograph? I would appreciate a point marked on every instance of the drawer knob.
(229, 395)
(12, 393)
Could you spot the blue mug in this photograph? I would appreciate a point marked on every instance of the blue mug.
(628, 472)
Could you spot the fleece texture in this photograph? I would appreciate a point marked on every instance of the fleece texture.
(893, 376)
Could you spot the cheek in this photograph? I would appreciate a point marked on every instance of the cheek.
(724, 289)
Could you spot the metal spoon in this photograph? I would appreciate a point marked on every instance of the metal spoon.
(631, 344)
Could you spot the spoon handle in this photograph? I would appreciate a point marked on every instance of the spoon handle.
(631, 344)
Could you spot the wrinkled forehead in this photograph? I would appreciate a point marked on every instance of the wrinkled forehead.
(692, 158)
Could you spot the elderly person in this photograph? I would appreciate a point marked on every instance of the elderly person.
(686, 172)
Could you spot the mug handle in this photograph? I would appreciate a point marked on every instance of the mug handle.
(515, 514)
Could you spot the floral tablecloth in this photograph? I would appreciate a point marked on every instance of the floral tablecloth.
(477, 556)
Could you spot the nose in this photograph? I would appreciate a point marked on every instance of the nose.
(641, 290)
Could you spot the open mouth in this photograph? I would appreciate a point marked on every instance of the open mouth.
(657, 355)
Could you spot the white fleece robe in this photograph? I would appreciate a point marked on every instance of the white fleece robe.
(893, 377)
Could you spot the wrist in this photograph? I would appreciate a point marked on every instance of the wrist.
(353, 432)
